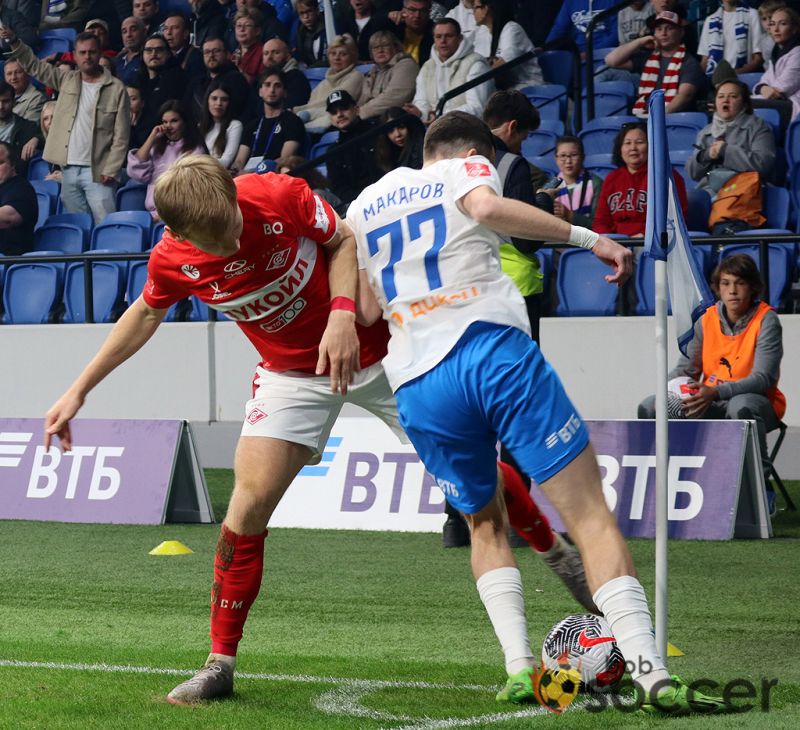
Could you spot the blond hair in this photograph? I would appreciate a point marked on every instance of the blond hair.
(345, 41)
(196, 196)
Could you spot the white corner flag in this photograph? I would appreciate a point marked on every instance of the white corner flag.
(689, 292)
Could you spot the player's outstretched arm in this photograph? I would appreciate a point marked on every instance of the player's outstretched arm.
(514, 218)
(129, 334)
(339, 346)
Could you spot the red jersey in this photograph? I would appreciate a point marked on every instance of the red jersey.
(275, 287)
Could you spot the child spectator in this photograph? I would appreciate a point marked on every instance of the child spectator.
(575, 190)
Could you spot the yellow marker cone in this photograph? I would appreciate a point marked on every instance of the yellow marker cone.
(673, 650)
(171, 547)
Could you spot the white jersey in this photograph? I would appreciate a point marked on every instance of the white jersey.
(434, 270)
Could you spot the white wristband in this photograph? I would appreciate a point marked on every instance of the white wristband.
(583, 237)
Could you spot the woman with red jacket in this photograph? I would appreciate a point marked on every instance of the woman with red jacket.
(622, 207)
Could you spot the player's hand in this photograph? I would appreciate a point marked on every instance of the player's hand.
(617, 257)
(340, 349)
(696, 405)
(56, 421)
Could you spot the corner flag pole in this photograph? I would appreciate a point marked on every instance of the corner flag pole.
(662, 453)
(330, 30)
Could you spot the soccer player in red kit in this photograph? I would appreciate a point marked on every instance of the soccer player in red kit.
(274, 257)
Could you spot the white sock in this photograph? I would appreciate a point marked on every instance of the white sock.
(501, 592)
(624, 605)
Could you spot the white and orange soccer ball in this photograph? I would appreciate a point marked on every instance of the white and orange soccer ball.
(584, 643)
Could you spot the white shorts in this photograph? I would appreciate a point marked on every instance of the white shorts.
(300, 408)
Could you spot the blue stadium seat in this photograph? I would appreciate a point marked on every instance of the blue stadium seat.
(764, 232)
(158, 231)
(582, 290)
(545, 163)
(699, 210)
(599, 163)
(31, 293)
(315, 75)
(751, 78)
(329, 137)
(794, 191)
(63, 237)
(549, 99)
(198, 311)
(626, 88)
(122, 237)
(598, 135)
(137, 278)
(681, 135)
(545, 256)
(781, 265)
(43, 202)
(552, 125)
(53, 41)
(773, 118)
(365, 68)
(695, 119)
(540, 142)
(556, 67)
(776, 206)
(178, 6)
(38, 169)
(108, 287)
(793, 143)
(678, 157)
(141, 218)
(131, 196)
(608, 104)
(644, 280)
(84, 221)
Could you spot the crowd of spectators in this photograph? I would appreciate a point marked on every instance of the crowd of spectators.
(252, 82)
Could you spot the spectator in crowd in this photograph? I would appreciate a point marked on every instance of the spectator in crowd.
(734, 358)
(23, 16)
(464, 15)
(575, 190)
(342, 74)
(160, 79)
(669, 66)
(139, 130)
(735, 141)
(19, 208)
(765, 11)
(208, 21)
(351, 171)
(148, 11)
(673, 6)
(219, 66)
(271, 27)
(622, 206)
(276, 132)
(28, 100)
(415, 30)
(23, 135)
(402, 145)
(176, 34)
(67, 14)
(632, 20)
(503, 41)
(91, 138)
(99, 27)
(315, 179)
(780, 83)
(247, 56)
(46, 121)
(573, 19)
(276, 52)
(173, 137)
(452, 63)
(312, 42)
(129, 60)
(732, 32)
(360, 19)
(391, 81)
(221, 132)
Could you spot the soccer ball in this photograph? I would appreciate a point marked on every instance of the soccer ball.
(584, 643)
(555, 688)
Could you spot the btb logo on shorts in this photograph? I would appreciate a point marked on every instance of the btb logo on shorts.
(255, 416)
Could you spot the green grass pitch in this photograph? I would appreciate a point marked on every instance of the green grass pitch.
(351, 630)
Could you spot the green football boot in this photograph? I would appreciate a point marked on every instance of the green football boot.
(680, 699)
(518, 689)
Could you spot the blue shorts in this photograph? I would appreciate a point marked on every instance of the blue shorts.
(494, 385)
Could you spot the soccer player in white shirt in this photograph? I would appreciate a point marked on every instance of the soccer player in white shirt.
(466, 374)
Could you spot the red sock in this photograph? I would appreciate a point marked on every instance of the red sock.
(238, 566)
(523, 513)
